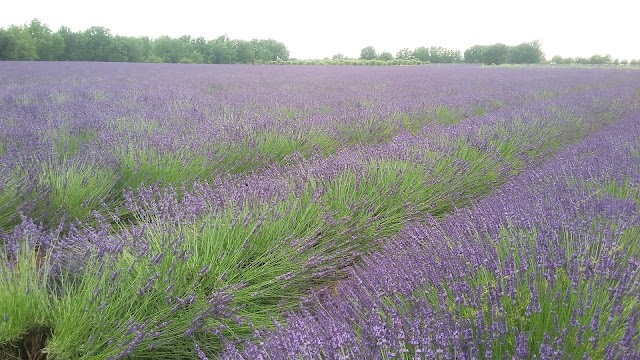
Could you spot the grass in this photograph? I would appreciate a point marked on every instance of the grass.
(447, 116)
(366, 132)
(143, 166)
(75, 189)
(278, 146)
(235, 253)
(9, 198)
(67, 144)
(25, 306)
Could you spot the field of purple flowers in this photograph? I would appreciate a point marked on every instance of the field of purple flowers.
(169, 211)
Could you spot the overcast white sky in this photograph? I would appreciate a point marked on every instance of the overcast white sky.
(318, 29)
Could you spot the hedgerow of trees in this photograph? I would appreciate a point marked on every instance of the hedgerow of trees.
(525, 53)
(596, 59)
(36, 41)
(434, 54)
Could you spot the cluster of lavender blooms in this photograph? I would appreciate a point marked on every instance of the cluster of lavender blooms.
(516, 135)
(130, 124)
(188, 264)
(548, 267)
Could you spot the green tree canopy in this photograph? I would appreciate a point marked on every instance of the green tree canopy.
(475, 54)
(421, 53)
(368, 53)
(49, 46)
(36, 41)
(16, 43)
(600, 59)
(404, 54)
(496, 54)
(385, 55)
(526, 53)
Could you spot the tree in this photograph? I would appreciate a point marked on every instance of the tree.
(8, 45)
(172, 50)
(96, 44)
(18, 44)
(269, 50)
(557, 59)
(526, 53)
(278, 49)
(404, 54)
(599, 59)
(421, 53)
(246, 53)
(439, 55)
(368, 53)
(475, 54)
(134, 49)
(338, 57)
(496, 54)
(385, 55)
(581, 60)
(222, 51)
(49, 46)
(72, 44)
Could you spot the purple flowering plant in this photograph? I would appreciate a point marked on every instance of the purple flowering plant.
(187, 212)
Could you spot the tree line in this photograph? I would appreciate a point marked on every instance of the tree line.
(36, 41)
(525, 53)
(593, 60)
(433, 54)
(496, 54)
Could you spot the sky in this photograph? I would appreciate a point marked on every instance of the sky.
(320, 29)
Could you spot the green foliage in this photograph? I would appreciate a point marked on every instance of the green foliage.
(440, 55)
(76, 189)
(25, 304)
(143, 166)
(475, 54)
(67, 145)
(385, 56)
(278, 146)
(97, 44)
(447, 116)
(35, 41)
(270, 50)
(526, 53)
(49, 46)
(421, 53)
(600, 59)
(496, 54)
(172, 50)
(16, 43)
(368, 53)
(321, 141)
(404, 54)
(13, 194)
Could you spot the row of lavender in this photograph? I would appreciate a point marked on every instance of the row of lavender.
(74, 137)
(214, 258)
(548, 267)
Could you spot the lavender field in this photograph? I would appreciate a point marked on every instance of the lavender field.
(169, 211)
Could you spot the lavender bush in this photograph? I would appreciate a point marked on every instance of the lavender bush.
(173, 212)
(546, 268)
